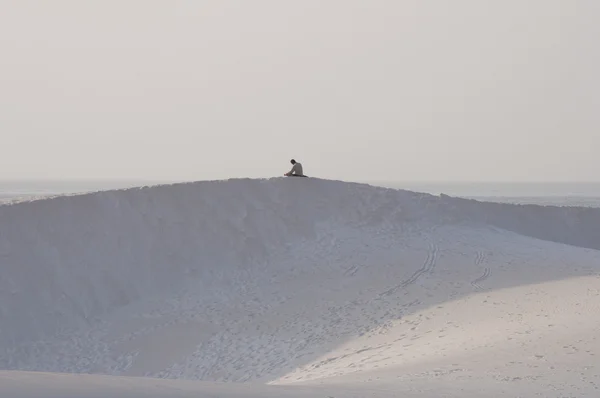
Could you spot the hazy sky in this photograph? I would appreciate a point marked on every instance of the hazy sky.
(357, 90)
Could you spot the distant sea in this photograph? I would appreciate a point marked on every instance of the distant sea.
(555, 193)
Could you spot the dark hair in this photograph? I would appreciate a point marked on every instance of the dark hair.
(292, 161)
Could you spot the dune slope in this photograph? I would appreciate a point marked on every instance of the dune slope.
(308, 283)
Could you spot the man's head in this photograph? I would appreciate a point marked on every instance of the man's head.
(292, 161)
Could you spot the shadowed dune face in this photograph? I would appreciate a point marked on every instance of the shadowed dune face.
(86, 255)
(578, 226)
(258, 280)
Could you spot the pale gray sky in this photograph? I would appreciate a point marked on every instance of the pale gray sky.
(358, 90)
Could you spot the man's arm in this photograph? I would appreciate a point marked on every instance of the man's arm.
(289, 173)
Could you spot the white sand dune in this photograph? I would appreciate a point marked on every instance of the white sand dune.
(59, 385)
(305, 288)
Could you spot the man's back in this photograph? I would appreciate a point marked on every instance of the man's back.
(297, 169)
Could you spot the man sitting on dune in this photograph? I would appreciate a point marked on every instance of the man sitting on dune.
(296, 170)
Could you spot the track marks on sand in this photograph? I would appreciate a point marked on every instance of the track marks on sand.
(427, 268)
(487, 272)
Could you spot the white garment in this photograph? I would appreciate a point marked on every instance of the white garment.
(297, 169)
